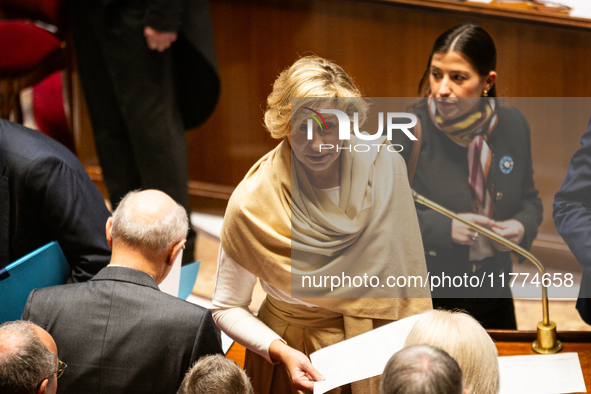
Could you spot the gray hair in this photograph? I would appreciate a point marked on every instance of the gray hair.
(422, 369)
(215, 374)
(137, 229)
(24, 361)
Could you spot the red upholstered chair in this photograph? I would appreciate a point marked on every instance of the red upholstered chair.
(28, 52)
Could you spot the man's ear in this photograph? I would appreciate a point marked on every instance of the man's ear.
(466, 391)
(176, 249)
(43, 387)
(108, 230)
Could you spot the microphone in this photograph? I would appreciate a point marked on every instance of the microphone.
(546, 342)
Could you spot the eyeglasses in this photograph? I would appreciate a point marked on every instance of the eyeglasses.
(61, 369)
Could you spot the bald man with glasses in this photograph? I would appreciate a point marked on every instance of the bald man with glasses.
(28, 359)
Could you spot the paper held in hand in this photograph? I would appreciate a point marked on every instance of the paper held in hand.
(361, 357)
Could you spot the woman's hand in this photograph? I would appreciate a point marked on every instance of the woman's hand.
(511, 230)
(302, 373)
(464, 235)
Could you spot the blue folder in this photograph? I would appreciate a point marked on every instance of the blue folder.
(44, 267)
(188, 277)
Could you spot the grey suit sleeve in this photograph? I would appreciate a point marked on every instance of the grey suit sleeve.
(207, 340)
(27, 311)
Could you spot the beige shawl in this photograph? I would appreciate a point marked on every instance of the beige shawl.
(281, 228)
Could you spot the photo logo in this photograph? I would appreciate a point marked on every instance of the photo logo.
(317, 121)
(345, 124)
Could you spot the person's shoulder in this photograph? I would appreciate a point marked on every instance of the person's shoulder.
(183, 306)
(510, 112)
(512, 115)
(265, 179)
(183, 315)
(512, 123)
(44, 301)
(48, 292)
(29, 151)
(31, 144)
(419, 107)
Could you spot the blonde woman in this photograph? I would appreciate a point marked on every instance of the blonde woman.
(307, 211)
(464, 339)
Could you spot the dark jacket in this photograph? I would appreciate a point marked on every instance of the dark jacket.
(119, 333)
(442, 176)
(572, 217)
(46, 195)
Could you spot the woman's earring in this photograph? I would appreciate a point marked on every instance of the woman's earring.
(485, 93)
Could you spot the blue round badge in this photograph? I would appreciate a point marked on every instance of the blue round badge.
(506, 164)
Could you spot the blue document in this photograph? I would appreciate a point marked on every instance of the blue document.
(188, 277)
(44, 267)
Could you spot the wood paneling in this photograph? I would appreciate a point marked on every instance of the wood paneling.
(385, 46)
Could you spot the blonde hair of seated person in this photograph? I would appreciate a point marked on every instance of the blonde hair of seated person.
(464, 339)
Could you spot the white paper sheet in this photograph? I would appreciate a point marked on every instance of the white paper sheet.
(360, 357)
(172, 282)
(541, 374)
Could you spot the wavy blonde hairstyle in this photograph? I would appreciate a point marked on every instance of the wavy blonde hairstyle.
(463, 338)
(318, 79)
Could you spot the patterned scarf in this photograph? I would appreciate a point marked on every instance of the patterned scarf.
(471, 130)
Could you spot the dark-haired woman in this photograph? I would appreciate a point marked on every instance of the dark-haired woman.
(475, 159)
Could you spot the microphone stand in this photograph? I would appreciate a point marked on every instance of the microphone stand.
(546, 342)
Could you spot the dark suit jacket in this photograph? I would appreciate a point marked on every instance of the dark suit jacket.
(572, 217)
(119, 333)
(46, 195)
(442, 176)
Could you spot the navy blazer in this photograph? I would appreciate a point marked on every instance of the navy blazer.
(46, 195)
(119, 333)
(572, 217)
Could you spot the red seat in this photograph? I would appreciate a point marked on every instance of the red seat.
(23, 46)
(48, 11)
(28, 53)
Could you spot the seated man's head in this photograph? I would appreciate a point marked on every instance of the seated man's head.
(464, 339)
(215, 374)
(147, 231)
(28, 359)
(422, 369)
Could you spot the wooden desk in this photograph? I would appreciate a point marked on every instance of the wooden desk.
(237, 353)
(517, 343)
(509, 343)
(498, 11)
